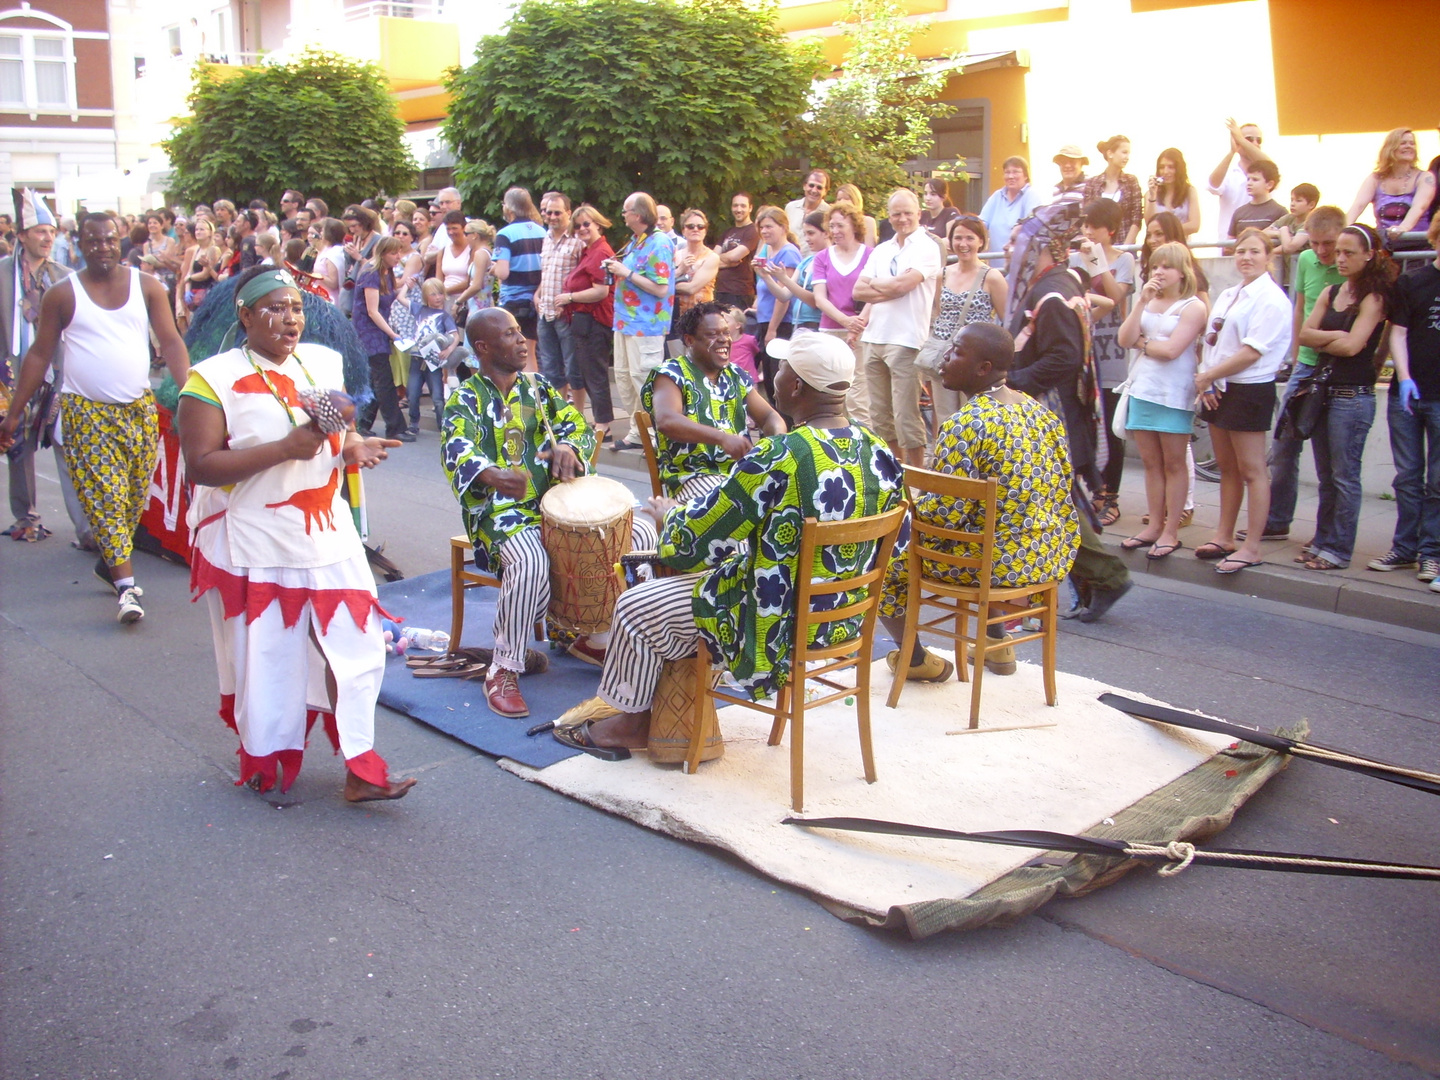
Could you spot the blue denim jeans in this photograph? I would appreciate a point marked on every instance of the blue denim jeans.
(1285, 463)
(1415, 447)
(1339, 443)
(554, 351)
(421, 375)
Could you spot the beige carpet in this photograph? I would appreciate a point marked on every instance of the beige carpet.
(1095, 762)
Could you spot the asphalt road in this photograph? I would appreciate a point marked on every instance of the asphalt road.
(159, 922)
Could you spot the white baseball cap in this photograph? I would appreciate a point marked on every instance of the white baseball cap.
(822, 361)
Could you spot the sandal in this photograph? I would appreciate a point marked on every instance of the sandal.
(1316, 562)
(1135, 543)
(1211, 551)
(1109, 509)
(31, 533)
(1160, 551)
(1232, 565)
(578, 738)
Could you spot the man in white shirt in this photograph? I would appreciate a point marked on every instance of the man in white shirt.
(1009, 204)
(898, 288)
(665, 224)
(446, 199)
(816, 185)
(1227, 179)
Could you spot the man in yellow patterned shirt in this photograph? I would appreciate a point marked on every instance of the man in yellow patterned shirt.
(1002, 433)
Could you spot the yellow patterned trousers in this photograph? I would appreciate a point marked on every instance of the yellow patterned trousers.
(111, 451)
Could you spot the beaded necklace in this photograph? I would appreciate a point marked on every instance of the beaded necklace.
(289, 412)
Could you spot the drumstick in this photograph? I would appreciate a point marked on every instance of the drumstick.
(532, 376)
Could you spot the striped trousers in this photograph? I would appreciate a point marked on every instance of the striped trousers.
(654, 622)
(525, 587)
(698, 486)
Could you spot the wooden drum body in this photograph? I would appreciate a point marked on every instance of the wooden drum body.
(585, 529)
(672, 714)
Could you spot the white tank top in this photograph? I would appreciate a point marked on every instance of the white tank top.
(107, 353)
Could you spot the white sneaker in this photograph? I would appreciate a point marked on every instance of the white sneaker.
(1435, 585)
(130, 609)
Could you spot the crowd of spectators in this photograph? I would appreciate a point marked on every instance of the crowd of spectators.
(1309, 315)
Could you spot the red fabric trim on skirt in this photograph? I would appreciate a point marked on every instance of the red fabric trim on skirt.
(238, 594)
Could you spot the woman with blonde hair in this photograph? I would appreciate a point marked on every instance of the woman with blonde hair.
(778, 249)
(376, 291)
(1398, 191)
(481, 236)
(588, 306)
(849, 193)
(1162, 327)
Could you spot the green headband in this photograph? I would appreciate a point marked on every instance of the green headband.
(262, 285)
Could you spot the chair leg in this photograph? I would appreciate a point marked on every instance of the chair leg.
(782, 707)
(699, 727)
(457, 597)
(902, 660)
(981, 630)
(1047, 662)
(862, 707)
(797, 753)
(962, 627)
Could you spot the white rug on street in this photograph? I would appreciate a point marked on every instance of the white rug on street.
(1094, 762)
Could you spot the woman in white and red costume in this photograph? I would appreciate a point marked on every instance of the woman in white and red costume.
(275, 553)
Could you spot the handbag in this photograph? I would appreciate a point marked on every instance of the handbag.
(402, 320)
(1305, 408)
(932, 351)
(1122, 410)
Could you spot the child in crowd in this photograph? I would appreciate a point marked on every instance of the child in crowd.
(1262, 211)
(744, 345)
(436, 337)
(1289, 231)
(267, 248)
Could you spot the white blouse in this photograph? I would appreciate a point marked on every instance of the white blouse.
(1258, 315)
(1165, 382)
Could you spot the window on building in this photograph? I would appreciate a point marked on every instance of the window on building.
(172, 40)
(37, 70)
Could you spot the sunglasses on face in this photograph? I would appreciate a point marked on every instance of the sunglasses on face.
(694, 225)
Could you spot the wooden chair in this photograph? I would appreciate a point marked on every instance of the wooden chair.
(958, 603)
(644, 425)
(790, 703)
(464, 576)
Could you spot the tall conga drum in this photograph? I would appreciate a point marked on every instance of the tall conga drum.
(585, 527)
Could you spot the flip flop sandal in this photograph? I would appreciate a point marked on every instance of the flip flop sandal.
(1317, 563)
(1232, 565)
(466, 670)
(1161, 551)
(1134, 543)
(1211, 551)
(445, 660)
(578, 738)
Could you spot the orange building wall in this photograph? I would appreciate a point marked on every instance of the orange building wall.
(1006, 90)
(1384, 49)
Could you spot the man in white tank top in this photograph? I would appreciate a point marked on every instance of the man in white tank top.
(105, 315)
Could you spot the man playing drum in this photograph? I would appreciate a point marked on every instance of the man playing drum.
(500, 459)
(740, 597)
(700, 402)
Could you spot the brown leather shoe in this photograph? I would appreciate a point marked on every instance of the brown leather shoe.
(357, 790)
(502, 692)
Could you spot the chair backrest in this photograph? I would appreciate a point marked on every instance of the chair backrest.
(881, 529)
(647, 441)
(925, 535)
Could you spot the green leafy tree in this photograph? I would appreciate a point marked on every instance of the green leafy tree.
(599, 98)
(875, 115)
(322, 124)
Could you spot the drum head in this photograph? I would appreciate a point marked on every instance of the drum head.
(587, 500)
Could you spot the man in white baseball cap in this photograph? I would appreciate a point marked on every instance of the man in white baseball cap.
(739, 597)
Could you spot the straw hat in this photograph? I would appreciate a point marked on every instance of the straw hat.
(1070, 150)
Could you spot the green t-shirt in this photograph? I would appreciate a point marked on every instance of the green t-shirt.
(1311, 279)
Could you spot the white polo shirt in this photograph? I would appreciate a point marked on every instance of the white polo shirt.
(1259, 315)
(903, 320)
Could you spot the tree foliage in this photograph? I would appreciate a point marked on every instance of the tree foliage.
(322, 124)
(875, 115)
(599, 98)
